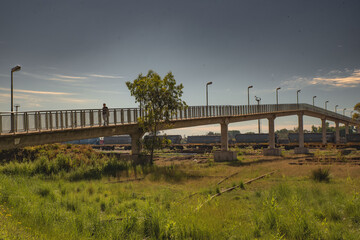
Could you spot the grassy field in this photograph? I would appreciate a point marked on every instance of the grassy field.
(65, 192)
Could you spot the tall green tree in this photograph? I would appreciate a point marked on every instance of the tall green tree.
(159, 98)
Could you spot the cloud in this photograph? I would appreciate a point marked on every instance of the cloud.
(36, 92)
(296, 83)
(69, 77)
(61, 80)
(336, 78)
(55, 77)
(351, 80)
(105, 76)
(77, 100)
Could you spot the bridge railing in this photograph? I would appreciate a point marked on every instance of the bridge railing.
(83, 118)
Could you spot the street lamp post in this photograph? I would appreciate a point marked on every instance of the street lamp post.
(314, 100)
(344, 111)
(14, 69)
(277, 95)
(336, 108)
(258, 101)
(326, 104)
(297, 96)
(207, 98)
(17, 106)
(249, 95)
(351, 113)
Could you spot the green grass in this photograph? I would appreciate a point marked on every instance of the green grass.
(44, 196)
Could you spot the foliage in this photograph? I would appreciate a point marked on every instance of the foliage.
(73, 163)
(315, 129)
(356, 115)
(159, 99)
(321, 175)
(163, 205)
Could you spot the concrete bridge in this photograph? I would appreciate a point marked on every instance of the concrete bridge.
(42, 127)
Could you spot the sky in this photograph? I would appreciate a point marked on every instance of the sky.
(78, 54)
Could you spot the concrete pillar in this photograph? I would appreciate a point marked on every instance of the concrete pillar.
(337, 132)
(224, 154)
(301, 131)
(271, 132)
(224, 137)
(301, 149)
(272, 151)
(136, 143)
(323, 126)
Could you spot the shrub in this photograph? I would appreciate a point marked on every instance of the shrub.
(321, 175)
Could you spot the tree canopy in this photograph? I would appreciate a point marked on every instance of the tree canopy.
(356, 115)
(159, 99)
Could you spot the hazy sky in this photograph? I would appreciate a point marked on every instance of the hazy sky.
(79, 54)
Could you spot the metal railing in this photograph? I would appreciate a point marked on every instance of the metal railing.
(72, 119)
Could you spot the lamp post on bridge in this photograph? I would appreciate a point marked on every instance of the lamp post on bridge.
(314, 100)
(249, 95)
(336, 108)
(351, 113)
(326, 104)
(17, 106)
(207, 98)
(277, 96)
(14, 69)
(344, 111)
(258, 101)
(297, 96)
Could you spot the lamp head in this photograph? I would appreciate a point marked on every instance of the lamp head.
(314, 96)
(16, 68)
(298, 91)
(209, 83)
(278, 88)
(250, 86)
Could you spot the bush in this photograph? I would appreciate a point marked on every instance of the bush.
(321, 175)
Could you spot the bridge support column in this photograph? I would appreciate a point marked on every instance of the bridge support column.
(337, 132)
(301, 149)
(346, 129)
(272, 151)
(224, 154)
(323, 131)
(358, 129)
(224, 137)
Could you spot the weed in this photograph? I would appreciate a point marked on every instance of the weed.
(321, 175)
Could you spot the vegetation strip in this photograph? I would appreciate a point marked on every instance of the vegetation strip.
(232, 188)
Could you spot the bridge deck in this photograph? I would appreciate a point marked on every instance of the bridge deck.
(22, 128)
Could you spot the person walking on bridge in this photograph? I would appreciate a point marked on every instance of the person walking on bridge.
(105, 113)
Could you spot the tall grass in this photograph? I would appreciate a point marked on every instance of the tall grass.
(44, 195)
(321, 175)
